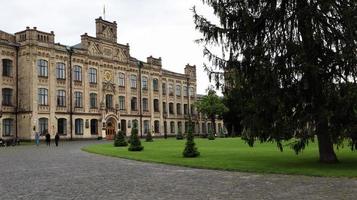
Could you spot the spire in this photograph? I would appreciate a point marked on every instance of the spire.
(104, 11)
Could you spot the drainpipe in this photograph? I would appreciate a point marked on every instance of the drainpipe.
(140, 65)
(17, 90)
(70, 52)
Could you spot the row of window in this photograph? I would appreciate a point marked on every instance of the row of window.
(62, 126)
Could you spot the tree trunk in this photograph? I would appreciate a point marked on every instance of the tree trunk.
(213, 124)
(327, 153)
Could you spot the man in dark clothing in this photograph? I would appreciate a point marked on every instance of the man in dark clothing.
(57, 137)
(48, 139)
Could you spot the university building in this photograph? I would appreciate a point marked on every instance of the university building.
(92, 89)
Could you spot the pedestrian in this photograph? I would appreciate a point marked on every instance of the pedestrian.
(37, 138)
(48, 139)
(57, 137)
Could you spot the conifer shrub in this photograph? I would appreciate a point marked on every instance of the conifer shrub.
(119, 140)
(135, 144)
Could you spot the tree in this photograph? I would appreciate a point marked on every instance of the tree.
(135, 144)
(190, 150)
(149, 137)
(120, 140)
(292, 67)
(211, 105)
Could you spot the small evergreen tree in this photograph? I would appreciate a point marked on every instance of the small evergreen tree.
(149, 136)
(190, 150)
(120, 140)
(135, 144)
(210, 135)
(179, 135)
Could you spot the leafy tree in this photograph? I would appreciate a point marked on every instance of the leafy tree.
(291, 67)
(190, 150)
(135, 144)
(149, 137)
(211, 105)
(120, 140)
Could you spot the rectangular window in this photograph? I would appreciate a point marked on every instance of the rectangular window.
(42, 68)
(171, 89)
(172, 127)
(109, 101)
(79, 127)
(155, 84)
(7, 127)
(43, 96)
(144, 81)
(93, 100)
(134, 104)
(163, 88)
(92, 75)
(121, 80)
(178, 90)
(6, 96)
(77, 73)
(121, 103)
(61, 98)
(178, 109)
(146, 126)
(145, 104)
(164, 109)
(171, 108)
(78, 99)
(133, 81)
(43, 125)
(185, 91)
(6, 67)
(156, 105)
(60, 71)
(185, 109)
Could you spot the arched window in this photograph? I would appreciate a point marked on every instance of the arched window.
(43, 96)
(133, 81)
(171, 108)
(92, 75)
(144, 83)
(178, 90)
(6, 96)
(178, 109)
(157, 126)
(155, 84)
(42, 68)
(78, 126)
(6, 67)
(77, 73)
(60, 71)
(121, 80)
(62, 126)
(7, 126)
(43, 125)
(94, 127)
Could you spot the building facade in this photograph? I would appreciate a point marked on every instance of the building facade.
(89, 90)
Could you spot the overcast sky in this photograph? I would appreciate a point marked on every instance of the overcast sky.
(161, 28)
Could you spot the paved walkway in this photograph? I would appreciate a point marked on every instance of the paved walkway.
(29, 172)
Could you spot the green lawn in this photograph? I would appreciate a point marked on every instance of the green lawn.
(234, 154)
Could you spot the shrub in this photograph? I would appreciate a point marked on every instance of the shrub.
(135, 144)
(149, 137)
(190, 150)
(210, 135)
(120, 140)
(179, 136)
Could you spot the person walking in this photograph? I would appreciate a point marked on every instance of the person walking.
(48, 139)
(37, 138)
(57, 137)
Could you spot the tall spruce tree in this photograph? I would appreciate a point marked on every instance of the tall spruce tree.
(135, 144)
(190, 150)
(290, 66)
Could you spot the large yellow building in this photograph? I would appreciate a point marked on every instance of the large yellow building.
(91, 89)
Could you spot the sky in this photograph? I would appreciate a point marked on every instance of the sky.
(158, 28)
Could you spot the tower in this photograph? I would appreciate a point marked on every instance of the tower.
(106, 30)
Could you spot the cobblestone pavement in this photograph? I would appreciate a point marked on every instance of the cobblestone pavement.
(66, 172)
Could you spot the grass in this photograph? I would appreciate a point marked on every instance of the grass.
(233, 154)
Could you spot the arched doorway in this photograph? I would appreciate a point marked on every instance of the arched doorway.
(110, 129)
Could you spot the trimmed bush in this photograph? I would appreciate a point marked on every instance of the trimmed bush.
(120, 140)
(190, 150)
(210, 135)
(179, 136)
(135, 144)
(149, 137)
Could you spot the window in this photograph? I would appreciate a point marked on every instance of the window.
(92, 75)
(192, 109)
(77, 73)
(121, 80)
(164, 109)
(93, 100)
(157, 126)
(60, 71)
(178, 90)
(171, 108)
(134, 104)
(43, 96)
(192, 92)
(78, 96)
(145, 104)
(109, 101)
(185, 91)
(61, 98)
(163, 88)
(185, 109)
(7, 127)
(94, 127)
(155, 84)
(6, 96)
(172, 127)
(179, 127)
(144, 82)
(6, 67)
(133, 81)
(43, 125)
(121, 103)
(42, 68)
(171, 89)
(204, 128)
(146, 126)
(135, 123)
(178, 109)
(78, 126)
(156, 105)
(62, 126)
